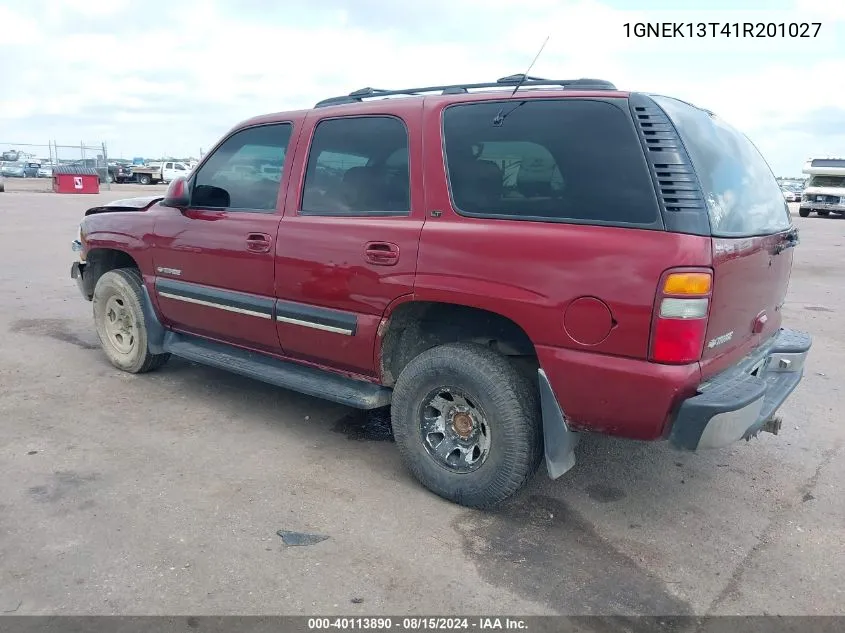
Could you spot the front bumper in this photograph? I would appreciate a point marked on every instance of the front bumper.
(823, 206)
(77, 272)
(737, 403)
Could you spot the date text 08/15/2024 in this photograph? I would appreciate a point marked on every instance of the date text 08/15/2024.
(416, 623)
(761, 30)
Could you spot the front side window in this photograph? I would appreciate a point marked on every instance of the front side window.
(569, 160)
(245, 171)
(356, 167)
(742, 194)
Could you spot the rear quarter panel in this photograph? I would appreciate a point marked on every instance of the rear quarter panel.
(531, 272)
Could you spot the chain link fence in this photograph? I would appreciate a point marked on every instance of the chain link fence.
(51, 154)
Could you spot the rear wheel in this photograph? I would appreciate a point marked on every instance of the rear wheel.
(145, 179)
(467, 424)
(120, 323)
(803, 212)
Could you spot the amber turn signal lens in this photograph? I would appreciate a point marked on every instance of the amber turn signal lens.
(687, 284)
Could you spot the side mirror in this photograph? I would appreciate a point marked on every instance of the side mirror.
(177, 195)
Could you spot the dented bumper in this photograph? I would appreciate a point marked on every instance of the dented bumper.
(741, 401)
(77, 272)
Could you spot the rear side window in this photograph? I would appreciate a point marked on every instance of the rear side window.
(358, 166)
(742, 194)
(566, 160)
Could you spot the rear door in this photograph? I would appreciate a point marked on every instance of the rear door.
(347, 246)
(214, 261)
(751, 234)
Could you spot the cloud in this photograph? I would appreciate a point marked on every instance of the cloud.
(175, 79)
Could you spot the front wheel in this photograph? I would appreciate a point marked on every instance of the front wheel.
(467, 424)
(120, 323)
(803, 212)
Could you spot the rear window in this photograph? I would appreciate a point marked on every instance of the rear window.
(562, 160)
(742, 194)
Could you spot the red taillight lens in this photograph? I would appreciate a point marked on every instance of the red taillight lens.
(678, 340)
(680, 319)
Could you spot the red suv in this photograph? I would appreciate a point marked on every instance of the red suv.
(505, 265)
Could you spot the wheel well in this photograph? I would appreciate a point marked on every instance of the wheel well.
(99, 261)
(417, 326)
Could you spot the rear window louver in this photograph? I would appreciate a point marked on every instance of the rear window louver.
(676, 183)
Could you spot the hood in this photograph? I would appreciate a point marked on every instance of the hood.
(825, 191)
(141, 203)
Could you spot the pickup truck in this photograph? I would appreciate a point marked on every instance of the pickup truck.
(160, 172)
(504, 270)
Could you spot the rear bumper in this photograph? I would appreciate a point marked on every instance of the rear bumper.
(737, 403)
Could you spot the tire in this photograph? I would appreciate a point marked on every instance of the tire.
(504, 413)
(144, 179)
(803, 212)
(119, 320)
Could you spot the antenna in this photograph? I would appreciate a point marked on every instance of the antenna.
(501, 115)
(531, 65)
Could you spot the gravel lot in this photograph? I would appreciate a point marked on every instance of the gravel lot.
(162, 494)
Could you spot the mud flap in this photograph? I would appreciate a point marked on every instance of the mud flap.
(558, 440)
(155, 331)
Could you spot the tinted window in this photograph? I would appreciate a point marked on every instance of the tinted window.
(743, 197)
(244, 172)
(356, 167)
(553, 160)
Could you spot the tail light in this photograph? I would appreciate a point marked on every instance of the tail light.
(680, 316)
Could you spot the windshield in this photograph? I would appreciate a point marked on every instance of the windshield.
(827, 181)
(743, 197)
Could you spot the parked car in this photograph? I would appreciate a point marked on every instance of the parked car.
(21, 170)
(602, 288)
(791, 193)
(120, 172)
(45, 171)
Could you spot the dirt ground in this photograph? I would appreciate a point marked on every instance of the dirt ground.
(163, 493)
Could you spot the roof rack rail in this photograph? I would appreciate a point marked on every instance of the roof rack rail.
(511, 80)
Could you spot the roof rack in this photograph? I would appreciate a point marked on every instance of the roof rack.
(512, 80)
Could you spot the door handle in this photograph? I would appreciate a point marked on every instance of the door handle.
(258, 243)
(381, 253)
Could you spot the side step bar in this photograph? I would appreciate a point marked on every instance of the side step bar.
(307, 380)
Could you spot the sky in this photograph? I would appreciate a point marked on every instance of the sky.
(172, 79)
